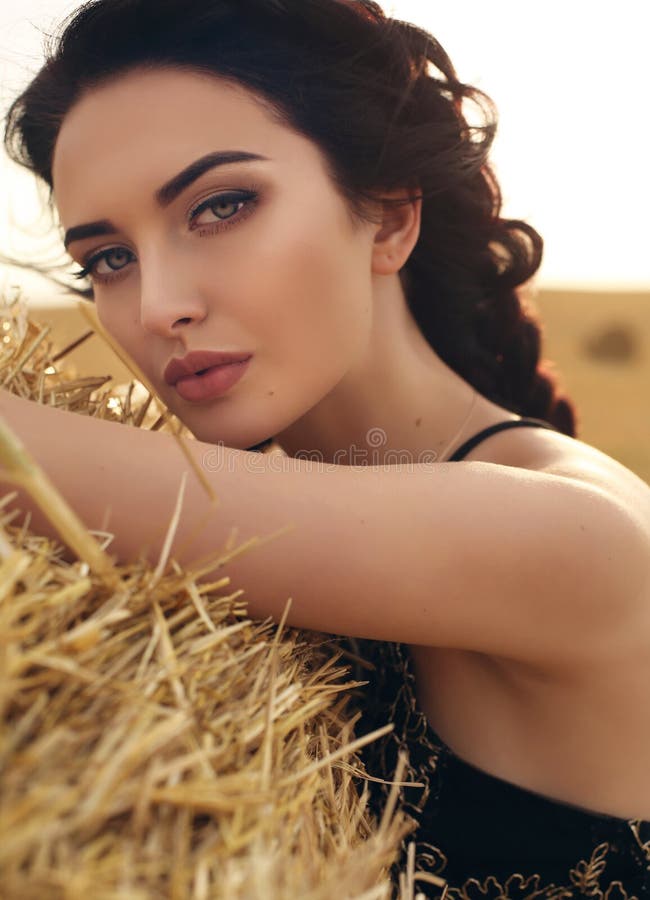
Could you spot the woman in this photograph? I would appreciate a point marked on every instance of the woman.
(291, 185)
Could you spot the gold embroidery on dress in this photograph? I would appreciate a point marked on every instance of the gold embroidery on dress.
(585, 881)
(516, 887)
(644, 846)
(586, 875)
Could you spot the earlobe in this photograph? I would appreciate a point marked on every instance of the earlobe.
(398, 232)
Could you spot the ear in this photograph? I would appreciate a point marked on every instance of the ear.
(398, 232)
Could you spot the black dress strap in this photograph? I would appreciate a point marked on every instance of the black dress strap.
(501, 426)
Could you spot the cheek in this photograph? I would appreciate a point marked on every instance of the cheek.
(332, 306)
(311, 286)
(316, 320)
(120, 325)
(105, 317)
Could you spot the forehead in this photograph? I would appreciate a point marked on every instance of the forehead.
(157, 121)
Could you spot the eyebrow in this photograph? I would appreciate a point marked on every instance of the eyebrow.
(169, 191)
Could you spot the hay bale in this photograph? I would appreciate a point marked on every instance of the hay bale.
(154, 740)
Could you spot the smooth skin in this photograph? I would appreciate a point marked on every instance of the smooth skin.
(520, 577)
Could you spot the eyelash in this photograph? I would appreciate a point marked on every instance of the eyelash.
(248, 198)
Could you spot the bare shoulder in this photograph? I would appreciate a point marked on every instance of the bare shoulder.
(625, 523)
(554, 453)
(568, 457)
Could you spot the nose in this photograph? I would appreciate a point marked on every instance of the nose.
(169, 301)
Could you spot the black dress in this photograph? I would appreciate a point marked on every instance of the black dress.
(484, 837)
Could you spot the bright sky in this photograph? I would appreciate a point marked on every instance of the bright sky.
(570, 81)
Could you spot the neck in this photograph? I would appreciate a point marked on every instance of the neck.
(399, 402)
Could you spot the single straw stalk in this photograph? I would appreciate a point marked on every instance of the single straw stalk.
(137, 373)
(22, 469)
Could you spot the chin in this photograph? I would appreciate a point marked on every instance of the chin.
(211, 435)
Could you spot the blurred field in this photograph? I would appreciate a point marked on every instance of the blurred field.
(599, 343)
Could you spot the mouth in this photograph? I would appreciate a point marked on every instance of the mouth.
(211, 382)
(199, 363)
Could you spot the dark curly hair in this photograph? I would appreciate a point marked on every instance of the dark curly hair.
(360, 85)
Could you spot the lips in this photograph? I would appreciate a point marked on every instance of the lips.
(198, 361)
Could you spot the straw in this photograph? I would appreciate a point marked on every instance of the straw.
(155, 741)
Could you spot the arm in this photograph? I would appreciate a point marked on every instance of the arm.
(470, 554)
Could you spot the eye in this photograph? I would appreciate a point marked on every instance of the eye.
(106, 264)
(115, 259)
(221, 208)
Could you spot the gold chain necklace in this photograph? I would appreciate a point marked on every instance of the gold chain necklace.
(460, 430)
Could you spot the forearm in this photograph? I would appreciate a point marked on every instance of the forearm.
(126, 480)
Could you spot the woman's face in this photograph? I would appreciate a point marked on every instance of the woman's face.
(259, 256)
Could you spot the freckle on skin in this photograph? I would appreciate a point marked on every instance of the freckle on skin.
(418, 422)
(271, 393)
